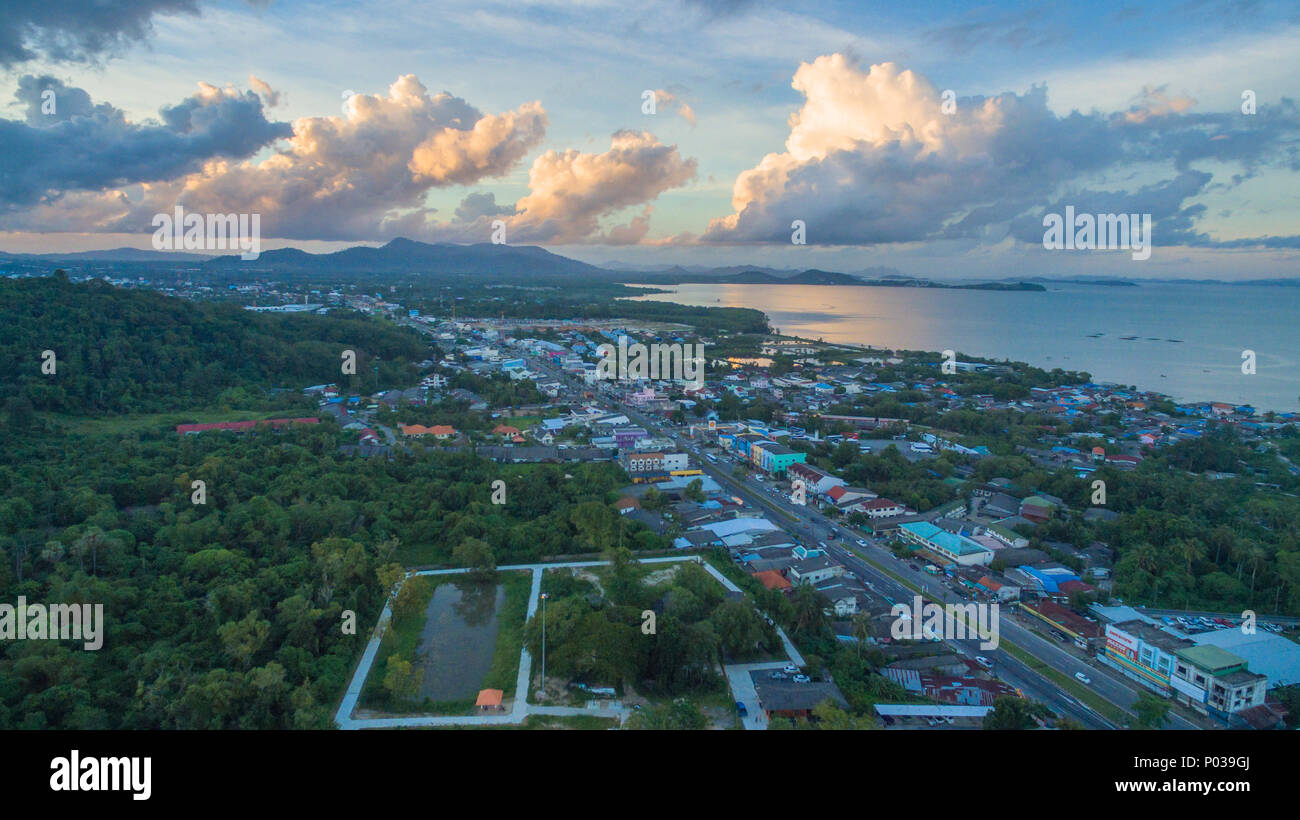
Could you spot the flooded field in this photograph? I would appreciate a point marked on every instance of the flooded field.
(459, 637)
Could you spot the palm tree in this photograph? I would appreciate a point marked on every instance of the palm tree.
(1255, 556)
(1146, 559)
(91, 539)
(1190, 550)
(862, 630)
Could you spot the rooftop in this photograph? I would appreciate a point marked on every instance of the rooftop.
(1211, 658)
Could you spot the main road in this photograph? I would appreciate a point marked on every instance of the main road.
(867, 558)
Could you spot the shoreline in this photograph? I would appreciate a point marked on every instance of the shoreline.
(1259, 409)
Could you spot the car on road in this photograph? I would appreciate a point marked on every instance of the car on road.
(1082, 678)
(741, 710)
(984, 662)
(861, 543)
(822, 544)
(802, 679)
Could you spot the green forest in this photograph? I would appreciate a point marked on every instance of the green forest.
(226, 602)
(228, 614)
(138, 351)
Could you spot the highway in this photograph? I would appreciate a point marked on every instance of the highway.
(808, 524)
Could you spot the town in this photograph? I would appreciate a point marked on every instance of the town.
(784, 497)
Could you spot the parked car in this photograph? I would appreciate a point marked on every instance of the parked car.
(1082, 677)
(790, 669)
(741, 710)
(802, 679)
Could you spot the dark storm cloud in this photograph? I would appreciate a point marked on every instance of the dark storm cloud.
(481, 204)
(77, 30)
(83, 146)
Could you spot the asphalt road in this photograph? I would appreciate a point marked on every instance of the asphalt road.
(812, 525)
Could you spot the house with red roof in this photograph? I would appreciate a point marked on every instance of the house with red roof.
(772, 579)
(241, 426)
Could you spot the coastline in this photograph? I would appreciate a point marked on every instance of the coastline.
(1195, 334)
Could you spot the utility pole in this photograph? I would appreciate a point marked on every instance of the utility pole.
(544, 597)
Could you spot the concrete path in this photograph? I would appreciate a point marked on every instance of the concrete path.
(521, 709)
(742, 689)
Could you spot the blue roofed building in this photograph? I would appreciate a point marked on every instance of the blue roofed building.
(952, 547)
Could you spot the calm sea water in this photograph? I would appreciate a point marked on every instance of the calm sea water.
(1213, 324)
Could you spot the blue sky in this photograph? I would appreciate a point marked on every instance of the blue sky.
(1108, 106)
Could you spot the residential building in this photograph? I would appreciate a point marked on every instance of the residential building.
(1215, 682)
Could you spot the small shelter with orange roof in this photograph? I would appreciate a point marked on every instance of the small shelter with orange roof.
(489, 700)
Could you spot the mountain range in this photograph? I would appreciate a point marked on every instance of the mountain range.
(531, 262)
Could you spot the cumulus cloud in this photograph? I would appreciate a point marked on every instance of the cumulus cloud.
(490, 147)
(360, 175)
(71, 143)
(874, 156)
(570, 192)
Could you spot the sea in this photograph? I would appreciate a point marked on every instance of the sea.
(1188, 341)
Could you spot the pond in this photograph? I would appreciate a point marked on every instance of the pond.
(459, 638)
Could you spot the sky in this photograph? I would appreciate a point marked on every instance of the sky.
(928, 137)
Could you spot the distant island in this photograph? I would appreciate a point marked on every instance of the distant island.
(813, 276)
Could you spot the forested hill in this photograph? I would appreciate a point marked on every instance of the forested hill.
(126, 351)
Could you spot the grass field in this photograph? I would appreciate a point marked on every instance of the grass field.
(510, 632)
